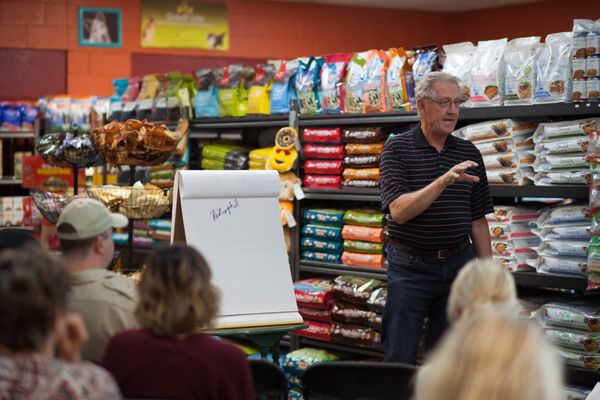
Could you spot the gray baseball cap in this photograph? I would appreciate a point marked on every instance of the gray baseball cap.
(87, 218)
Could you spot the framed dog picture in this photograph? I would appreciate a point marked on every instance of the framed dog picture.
(100, 27)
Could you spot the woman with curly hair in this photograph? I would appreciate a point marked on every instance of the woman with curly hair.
(168, 357)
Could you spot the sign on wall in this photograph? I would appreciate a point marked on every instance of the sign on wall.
(184, 24)
(99, 27)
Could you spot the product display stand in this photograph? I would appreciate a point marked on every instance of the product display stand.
(130, 225)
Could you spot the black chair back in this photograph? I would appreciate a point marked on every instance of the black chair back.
(269, 380)
(353, 380)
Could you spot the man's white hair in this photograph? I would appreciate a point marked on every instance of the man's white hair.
(424, 89)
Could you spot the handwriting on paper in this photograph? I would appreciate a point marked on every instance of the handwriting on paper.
(217, 213)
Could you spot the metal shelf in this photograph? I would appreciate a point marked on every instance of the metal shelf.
(218, 124)
(582, 377)
(341, 269)
(16, 134)
(531, 111)
(555, 281)
(358, 119)
(340, 347)
(563, 191)
(10, 180)
(351, 194)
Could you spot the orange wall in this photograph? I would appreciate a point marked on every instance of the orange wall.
(261, 29)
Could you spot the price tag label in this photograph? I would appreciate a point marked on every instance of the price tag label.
(289, 219)
(298, 192)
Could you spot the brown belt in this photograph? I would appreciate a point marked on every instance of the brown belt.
(437, 254)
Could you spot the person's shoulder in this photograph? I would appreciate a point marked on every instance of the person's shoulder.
(400, 140)
(465, 145)
(226, 349)
(120, 284)
(92, 379)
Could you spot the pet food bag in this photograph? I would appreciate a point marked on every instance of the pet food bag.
(396, 85)
(322, 135)
(320, 256)
(314, 293)
(315, 330)
(459, 58)
(554, 83)
(332, 217)
(114, 109)
(350, 313)
(356, 76)
(206, 101)
(426, 61)
(307, 85)
(363, 260)
(283, 90)
(324, 232)
(297, 361)
(354, 289)
(520, 58)
(362, 135)
(364, 233)
(582, 317)
(556, 130)
(364, 217)
(560, 265)
(259, 99)
(486, 79)
(374, 85)
(148, 92)
(332, 83)
(230, 98)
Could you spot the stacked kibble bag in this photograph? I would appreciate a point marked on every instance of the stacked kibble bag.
(146, 234)
(295, 364)
(565, 234)
(224, 156)
(363, 238)
(323, 153)
(315, 298)
(321, 235)
(356, 311)
(593, 158)
(258, 158)
(506, 147)
(560, 149)
(513, 239)
(363, 147)
(575, 329)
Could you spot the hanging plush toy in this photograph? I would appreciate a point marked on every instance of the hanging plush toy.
(284, 154)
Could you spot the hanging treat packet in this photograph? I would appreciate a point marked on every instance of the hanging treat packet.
(459, 57)
(520, 58)
(206, 101)
(486, 80)
(396, 88)
(115, 106)
(283, 90)
(553, 69)
(332, 83)
(230, 82)
(307, 85)
(148, 92)
(129, 99)
(259, 94)
(374, 85)
(356, 76)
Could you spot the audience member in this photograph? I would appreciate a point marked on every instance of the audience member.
(482, 286)
(16, 238)
(492, 357)
(105, 300)
(34, 325)
(168, 357)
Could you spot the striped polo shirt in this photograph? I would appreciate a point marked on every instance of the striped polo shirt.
(409, 163)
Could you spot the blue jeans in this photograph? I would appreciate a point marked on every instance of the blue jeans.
(418, 286)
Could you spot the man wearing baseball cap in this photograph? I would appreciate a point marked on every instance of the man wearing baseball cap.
(105, 300)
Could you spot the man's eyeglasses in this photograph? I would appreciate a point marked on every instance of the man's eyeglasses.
(447, 102)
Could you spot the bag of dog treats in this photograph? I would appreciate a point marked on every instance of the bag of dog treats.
(364, 217)
(364, 233)
(259, 94)
(374, 85)
(356, 335)
(354, 289)
(356, 76)
(324, 216)
(148, 92)
(520, 58)
(363, 149)
(361, 161)
(174, 100)
(322, 135)
(316, 330)
(325, 167)
(315, 314)
(486, 80)
(159, 112)
(314, 293)
(229, 84)
(307, 84)
(361, 173)
(297, 361)
(332, 83)
(459, 57)
(358, 246)
(377, 300)
(129, 98)
(313, 244)
(553, 69)
(396, 88)
(283, 90)
(206, 102)
(350, 313)
(322, 181)
(363, 260)
(362, 135)
(325, 232)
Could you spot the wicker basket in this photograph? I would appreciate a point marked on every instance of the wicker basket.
(50, 204)
(135, 203)
(65, 150)
(135, 143)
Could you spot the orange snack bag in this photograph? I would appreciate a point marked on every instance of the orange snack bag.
(362, 260)
(364, 233)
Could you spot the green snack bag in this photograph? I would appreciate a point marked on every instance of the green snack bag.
(358, 246)
(364, 217)
(230, 84)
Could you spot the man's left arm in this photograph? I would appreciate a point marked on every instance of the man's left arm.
(480, 236)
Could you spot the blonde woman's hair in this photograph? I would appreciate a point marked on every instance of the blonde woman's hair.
(176, 293)
(482, 286)
(492, 357)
